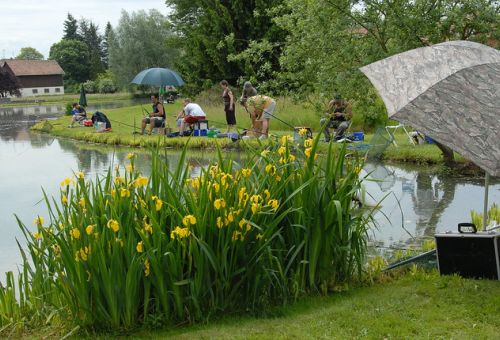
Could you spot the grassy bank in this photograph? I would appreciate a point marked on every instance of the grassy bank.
(63, 99)
(416, 306)
(124, 119)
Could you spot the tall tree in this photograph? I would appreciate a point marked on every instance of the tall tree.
(89, 33)
(138, 42)
(70, 28)
(73, 56)
(215, 33)
(105, 44)
(29, 53)
(9, 85)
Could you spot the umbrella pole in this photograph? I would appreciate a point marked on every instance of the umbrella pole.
(485, 211)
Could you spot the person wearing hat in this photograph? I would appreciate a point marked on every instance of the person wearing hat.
(261, 108)
(338, 117)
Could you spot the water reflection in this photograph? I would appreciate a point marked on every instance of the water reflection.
(417, 202)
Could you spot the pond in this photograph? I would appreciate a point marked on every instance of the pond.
(416, 201)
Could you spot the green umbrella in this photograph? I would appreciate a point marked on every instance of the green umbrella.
(83, 97)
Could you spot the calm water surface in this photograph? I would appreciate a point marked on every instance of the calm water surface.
(417, 202)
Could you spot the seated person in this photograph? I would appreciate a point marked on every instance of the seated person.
(155, 119)
(339, 115)
(79, 114)
(192, 113)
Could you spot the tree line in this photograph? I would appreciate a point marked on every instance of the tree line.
(307, 49)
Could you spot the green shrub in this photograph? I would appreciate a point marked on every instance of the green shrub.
(107, 85)
(90, 86)
(126, 249)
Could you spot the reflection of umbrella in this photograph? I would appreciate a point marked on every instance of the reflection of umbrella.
(159, 77)
(449, 91)
(83, 97)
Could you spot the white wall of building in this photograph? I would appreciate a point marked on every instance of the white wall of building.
(41, 91)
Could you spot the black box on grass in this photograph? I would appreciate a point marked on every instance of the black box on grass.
(472, 255)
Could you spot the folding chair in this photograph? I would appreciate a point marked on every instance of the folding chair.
(391, 130)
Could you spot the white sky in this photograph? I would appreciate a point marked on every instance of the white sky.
(39, 24)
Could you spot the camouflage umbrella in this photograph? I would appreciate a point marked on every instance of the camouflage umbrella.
(450, 92)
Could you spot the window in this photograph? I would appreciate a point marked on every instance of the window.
(46, 91)
(35, 91)
(58, 89)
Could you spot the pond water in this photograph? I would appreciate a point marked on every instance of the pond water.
(416, 201)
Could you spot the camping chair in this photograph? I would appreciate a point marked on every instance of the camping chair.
(391, 130)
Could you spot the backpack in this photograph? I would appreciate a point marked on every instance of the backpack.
(101, 117)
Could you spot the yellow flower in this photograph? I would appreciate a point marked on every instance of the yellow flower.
(64, 200)
(303, 132)
(236, 236)
(246, 172)
(114, 225)
(277, 178)
(80, 175)
(37, 235)
(189, 220)
(308, 143)
(148, 228)
(220, 224)
(158, 204)
(216, 187)
(113, 193)
(124, 192)
(82, 202)
(307, 152)
(241, 193)
(230, 217)
(357, 170)
(84, 252)
(61, 226)
(270, 169)
(268, 194)
(281, 150)
(129, 168)
(274, 204)
(259, 236)
(67, 181)
(264, 153)
(255, 208)
(75, 233)
(219, 203)
(89, 229)
(119, 241)
(255, 198)
(131, 155)
(141, 181)
(56, 249)
(139, 247)
(180, 232)
(119, 180)
(195, 183)
(38, 221)
(291, 158)
(285, 139)
(146, 268)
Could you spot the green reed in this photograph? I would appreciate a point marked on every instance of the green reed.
(125, 250)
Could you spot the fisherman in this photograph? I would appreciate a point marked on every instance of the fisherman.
(156, 119)
(338, 117)
(261, 108)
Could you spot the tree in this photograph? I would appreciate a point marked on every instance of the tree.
(73, 56)
(89, 34)
(29, 53)
(9, 85)
(70, 28)
(105, 45)
(214, 34)
(138, 42)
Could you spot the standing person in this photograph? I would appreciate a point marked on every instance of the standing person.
(248, 91)
(261, 109)
(227, 96)
(156, 117)
(192, 114)
(339, 114)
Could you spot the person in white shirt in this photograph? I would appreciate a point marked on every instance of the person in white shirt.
(192, 113)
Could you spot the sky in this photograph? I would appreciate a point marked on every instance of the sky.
(39, 23)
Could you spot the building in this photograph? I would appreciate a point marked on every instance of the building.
(37, 77)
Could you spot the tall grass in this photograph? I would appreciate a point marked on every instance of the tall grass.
(125, 250)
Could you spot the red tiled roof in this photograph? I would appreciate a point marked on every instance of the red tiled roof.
(33, 67)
